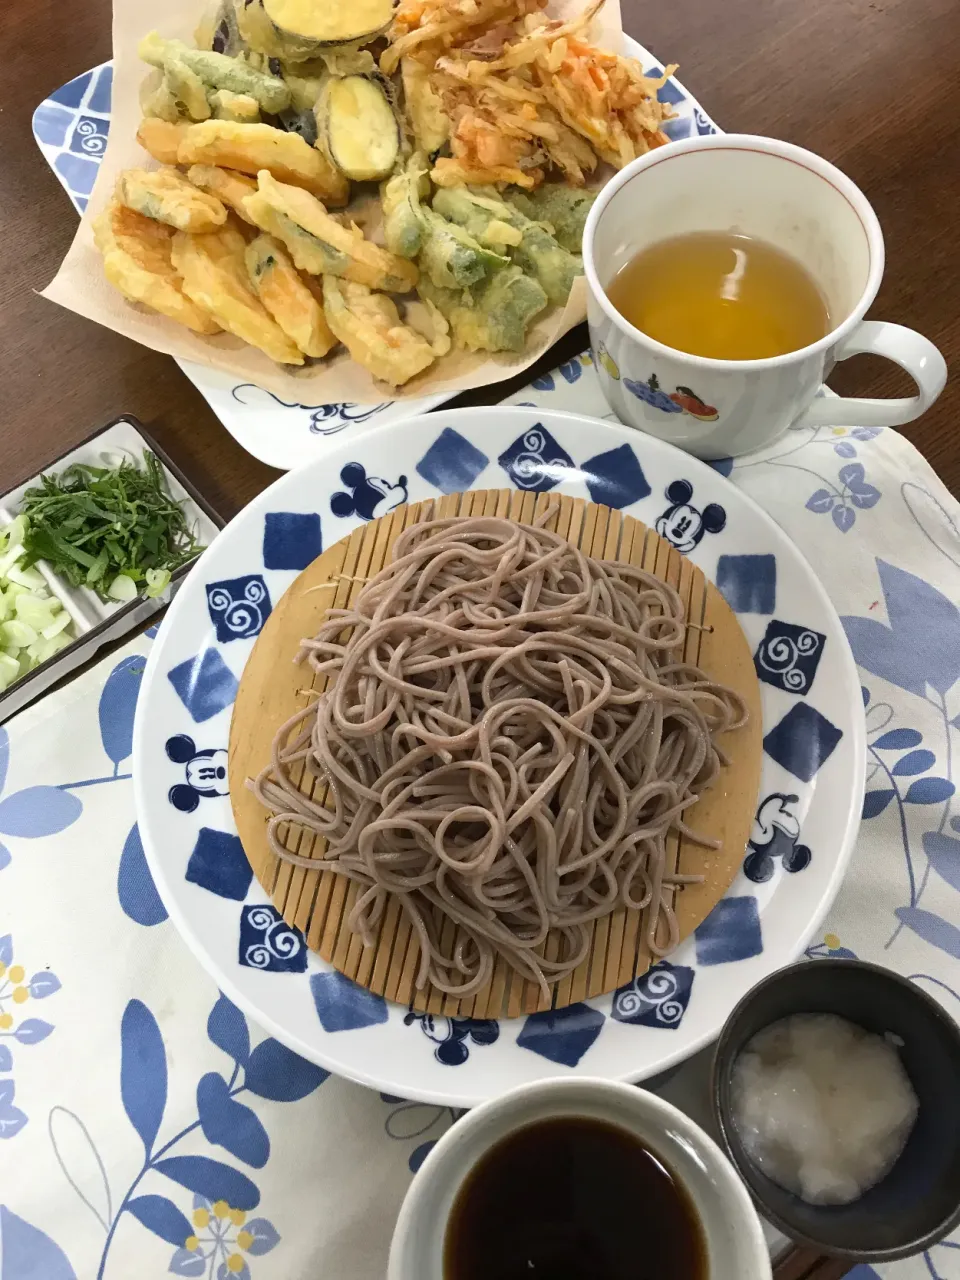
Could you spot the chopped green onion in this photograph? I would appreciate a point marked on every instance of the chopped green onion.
(122, 588)
(157, 581)
(34, 625)
(94, 525)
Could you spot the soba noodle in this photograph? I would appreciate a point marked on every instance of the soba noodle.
(507, 738)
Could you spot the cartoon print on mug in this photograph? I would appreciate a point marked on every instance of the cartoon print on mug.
(684, 525)
(681, 400)
(205, 773)
(776, 830)
(368, 497)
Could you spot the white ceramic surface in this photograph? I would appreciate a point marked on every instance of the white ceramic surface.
(811, 785)
(794, 200)
(736, 1249)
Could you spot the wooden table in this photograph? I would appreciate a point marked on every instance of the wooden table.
(870, 84)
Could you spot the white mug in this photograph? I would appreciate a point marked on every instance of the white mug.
(794, 200)
(735, 1245)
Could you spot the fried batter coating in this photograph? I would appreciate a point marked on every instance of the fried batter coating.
(228, 186)
(369, 326)
(166, 195)
(252, 147)
(215, 276)
(288, 299)
(320, 244)
(136, 260)
(161, 138)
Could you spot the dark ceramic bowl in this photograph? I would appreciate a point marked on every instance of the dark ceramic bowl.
(918, 1202)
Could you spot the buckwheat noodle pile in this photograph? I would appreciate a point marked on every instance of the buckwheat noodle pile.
(507, 737)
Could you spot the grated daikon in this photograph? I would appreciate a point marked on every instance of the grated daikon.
(823, 1107)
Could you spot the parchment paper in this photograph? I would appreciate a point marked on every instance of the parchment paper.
(80, 284)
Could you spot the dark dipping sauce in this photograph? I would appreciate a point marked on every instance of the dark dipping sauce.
(573, 1199)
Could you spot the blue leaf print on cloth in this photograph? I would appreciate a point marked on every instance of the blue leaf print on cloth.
(26, 1253)
(929, 791)
(6, 949)
(162, 1217)
(212, 1179)
(143, 1072)
(4, 856)
(32, 1031)
(229, 1124)
(898, 740)
(38, 811)
(227, 1028)
(135, 888)
(12, 1119)
(43, 984)
(118, 705)
(944, 854)
(843, 518)
(276, 1072)
(931, 928)
(909, 656)
(874, 802)
(265, 1236)
(6, 1058)
(821, 501)
(914, 762)
(188, 1262)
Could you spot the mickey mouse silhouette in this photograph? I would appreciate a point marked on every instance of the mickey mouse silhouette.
(775, 833)
(369, 496)
(205, 772)
(451, 1034)
(682, 524)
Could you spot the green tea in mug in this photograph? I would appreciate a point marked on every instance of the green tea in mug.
(721, 295)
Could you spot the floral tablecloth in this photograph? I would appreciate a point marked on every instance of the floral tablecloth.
(147, 1128)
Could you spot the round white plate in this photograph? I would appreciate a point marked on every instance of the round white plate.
(71, 128)
(811, 786)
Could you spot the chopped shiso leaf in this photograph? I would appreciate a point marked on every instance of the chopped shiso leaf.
(97, 525)
(33, 623)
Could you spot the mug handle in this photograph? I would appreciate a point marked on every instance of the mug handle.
(905, 347)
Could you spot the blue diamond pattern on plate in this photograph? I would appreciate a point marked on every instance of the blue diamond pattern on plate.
(79, 172)
(219, 864)
(748, 583)
(268, 942)
(99, 100)
(291, 539)
(451, 463)
(562, 1035)
(238, 607)
(615, 478)
(535, 461)
(657, 998)
(204, 684)
(802, 741)
(730, 932)
(71, 94)
(50, 124)
(343, 1006)
(788, 656)
(677, 129)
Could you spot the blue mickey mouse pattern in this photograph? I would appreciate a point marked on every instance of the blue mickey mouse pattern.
(776, 834)
(368, 497)
(204, 772)
(452, 1037)
(682, 524)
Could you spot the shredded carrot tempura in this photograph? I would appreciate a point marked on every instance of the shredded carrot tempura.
(513, 94)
